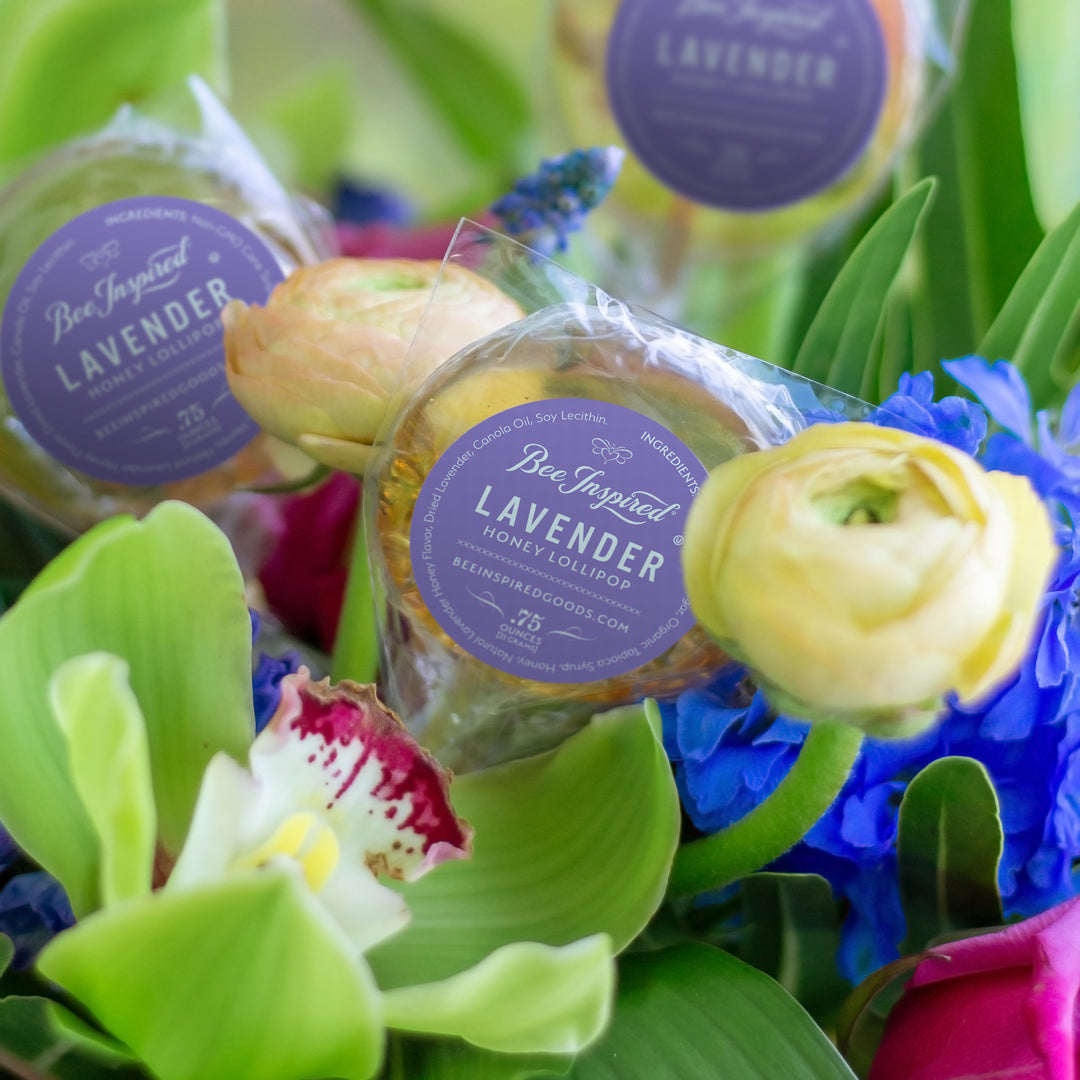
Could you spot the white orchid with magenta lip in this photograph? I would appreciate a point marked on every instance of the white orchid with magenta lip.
(231, 917)
(337, 791)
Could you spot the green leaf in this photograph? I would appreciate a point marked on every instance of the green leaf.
(524, 998)
(25, 547)
(167, 596)
(841, 339)
(481, 105)
(7, 951)
(110, 766)
(39, 1031)
(247, 978)
(67, 65)
(949, 844)
(555, 856)
(314, 116)
(1032, 329)
(860, 1022)
(695, 1011)
(1046, 36)
(792, 929)
(442, 1059)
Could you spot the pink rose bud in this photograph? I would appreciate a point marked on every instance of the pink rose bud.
(996, 1006)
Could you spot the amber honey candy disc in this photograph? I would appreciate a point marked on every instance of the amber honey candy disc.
(571, 351)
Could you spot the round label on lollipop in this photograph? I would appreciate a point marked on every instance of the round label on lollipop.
(546, 540)
(111, 346)
(747, 105)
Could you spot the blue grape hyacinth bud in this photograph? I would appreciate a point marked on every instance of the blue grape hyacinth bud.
(544, 208)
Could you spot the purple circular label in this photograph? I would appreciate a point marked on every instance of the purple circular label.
(747, 104)
(111, 346)
(545, 541)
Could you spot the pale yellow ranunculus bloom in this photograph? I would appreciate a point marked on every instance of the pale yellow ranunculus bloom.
(317, 365)
(862, 572)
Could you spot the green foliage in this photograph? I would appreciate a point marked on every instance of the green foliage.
(67, 65)
(839, 347)
(523, 998)
(1035, 329)
(482, 107)
(25, 547)
(792, 932)
(110, 768)
(693, 1010)
(949, 842)
(554, 858)
(166, 595)
(246, 981)
(41, 1034)
(686, 1011)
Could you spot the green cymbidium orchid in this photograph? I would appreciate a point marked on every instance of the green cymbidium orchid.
(232, 917)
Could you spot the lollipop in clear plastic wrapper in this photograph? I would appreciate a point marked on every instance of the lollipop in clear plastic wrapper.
(749, 124)
(526, 505)
(118, 252)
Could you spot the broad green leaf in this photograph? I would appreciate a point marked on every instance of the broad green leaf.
(110, 767)
(166, 595)
(444, 1059)
(1046, 35)
(949, 844)
(524, 998)
(792, 929)
(314, 117)
(571, 843)
(67, 65)
(244, 979)
(38, 1030)
(7, 951)
(1033, 327)
(482, 105)
(841, 339)
(695, 1011)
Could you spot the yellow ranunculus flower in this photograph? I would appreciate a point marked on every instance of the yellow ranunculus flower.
(861, 572)
(317, 365)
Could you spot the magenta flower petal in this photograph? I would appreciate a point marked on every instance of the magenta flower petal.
(1000, 1005)
(379, 788)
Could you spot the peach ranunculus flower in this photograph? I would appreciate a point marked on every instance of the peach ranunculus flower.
(317, 365)
(862, 572)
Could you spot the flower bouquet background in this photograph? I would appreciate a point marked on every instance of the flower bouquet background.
(735, 883)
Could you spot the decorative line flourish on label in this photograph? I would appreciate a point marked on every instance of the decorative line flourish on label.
(547, 577)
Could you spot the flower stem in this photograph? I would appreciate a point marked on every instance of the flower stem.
(778, 823)
(356, 649)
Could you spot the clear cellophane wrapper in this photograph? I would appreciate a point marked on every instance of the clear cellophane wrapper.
(574, 341)
(921, 38)
(185, 145)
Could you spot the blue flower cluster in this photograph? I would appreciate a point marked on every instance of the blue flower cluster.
(729, 756)
(33, 905)
(543, 209)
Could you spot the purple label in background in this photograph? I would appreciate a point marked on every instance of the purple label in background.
(546, 540)
(747, 104)
(111, 341)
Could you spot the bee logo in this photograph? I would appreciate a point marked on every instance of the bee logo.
(611, 453)
(102, 257)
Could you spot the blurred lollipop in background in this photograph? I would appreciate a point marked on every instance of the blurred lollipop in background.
(750, 125)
